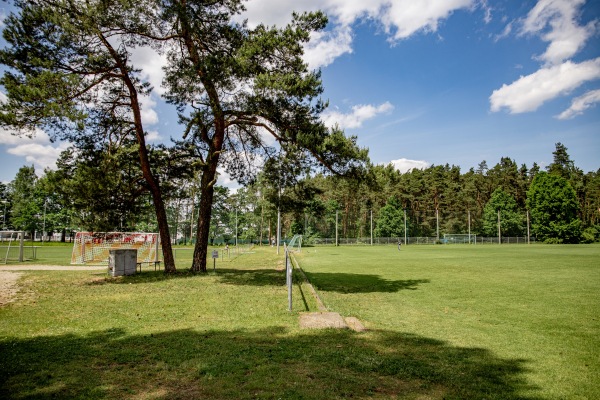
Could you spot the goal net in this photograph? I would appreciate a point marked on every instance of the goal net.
(94, 247)
(12, 247)
(295, 243)
(459, 238)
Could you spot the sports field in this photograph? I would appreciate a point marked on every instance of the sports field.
(445, 322)
(529, 314)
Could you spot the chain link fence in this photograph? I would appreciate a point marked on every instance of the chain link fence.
(414, 240)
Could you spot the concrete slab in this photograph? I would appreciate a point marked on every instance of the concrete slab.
(322, 320)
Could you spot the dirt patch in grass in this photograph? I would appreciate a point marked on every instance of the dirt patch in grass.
(321, 320)
(9, 286)
(51, 268)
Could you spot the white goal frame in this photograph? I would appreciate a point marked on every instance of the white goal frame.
(7, 242)
(295, 243)
(460, 238)
(94, 247)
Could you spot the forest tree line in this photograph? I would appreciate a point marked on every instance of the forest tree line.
(561, 202)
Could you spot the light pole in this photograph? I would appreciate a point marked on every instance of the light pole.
(499, 231)
(4, 216)
(405, 235)
(44, 223)
(371, 227)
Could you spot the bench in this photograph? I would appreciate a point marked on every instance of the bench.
(156, 264)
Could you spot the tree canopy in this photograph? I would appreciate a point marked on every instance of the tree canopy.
(71, 74)
(391, 219)
(511, 220)
(554, 209)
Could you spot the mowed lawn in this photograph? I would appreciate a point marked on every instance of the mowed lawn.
(445, 322)
(531, 312)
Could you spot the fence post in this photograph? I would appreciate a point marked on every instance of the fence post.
(288, 276)
(371, 227)
(405, 241)
(21, 245)
(527, 226)
(336, 228)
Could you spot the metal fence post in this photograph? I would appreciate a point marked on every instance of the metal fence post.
(288, 280)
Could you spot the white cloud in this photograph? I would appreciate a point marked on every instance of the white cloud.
(325, 47)
(407, 17)
(149, 115)
(8, 138)
(151, 64)
(355, 119)
(565, 36)
(505, 33)
(405, 165)
(580, 104)
(487, 10)
(37, 149)
(153, 136)
(529, 92)
(42, 156)
(399, 18)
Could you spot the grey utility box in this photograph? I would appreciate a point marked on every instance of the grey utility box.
(122, 262)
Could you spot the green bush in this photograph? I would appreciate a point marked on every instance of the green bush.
(589, 235)
(553, 240)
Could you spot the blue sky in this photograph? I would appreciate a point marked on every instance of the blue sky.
(429, 82)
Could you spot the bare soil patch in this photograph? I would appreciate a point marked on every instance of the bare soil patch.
(9, 286)
(322, 320)
(51, 268)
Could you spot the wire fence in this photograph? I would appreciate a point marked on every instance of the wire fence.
(416, 223)
(416, 240)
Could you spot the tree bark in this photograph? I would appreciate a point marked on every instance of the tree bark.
(207, 191)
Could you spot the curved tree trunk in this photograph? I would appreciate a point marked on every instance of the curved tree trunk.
(151, 180)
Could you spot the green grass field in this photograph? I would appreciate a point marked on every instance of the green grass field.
(533, 308)
(445, 322)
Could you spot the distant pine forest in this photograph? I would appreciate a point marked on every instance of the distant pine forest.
(557, 204)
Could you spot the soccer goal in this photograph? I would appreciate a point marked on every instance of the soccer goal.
(95, 247)
(12, 247)
(460, 238)
(295, 243)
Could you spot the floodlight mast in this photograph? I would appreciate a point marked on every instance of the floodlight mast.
(278, 228)
(371, 227)
(4, 216)
(405, 242)
(499, 231)
(44, 224)
(437, 224)
(469, 221)
(336, 228)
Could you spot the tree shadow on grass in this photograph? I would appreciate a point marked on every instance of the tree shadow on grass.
(360, 283)
(332, 282)
(252, 277)
(268, 363)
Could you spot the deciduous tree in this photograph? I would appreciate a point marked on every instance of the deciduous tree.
(390, 222)
(554, 209)
(511, 220)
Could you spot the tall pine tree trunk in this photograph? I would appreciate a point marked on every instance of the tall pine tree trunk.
(207, 190)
